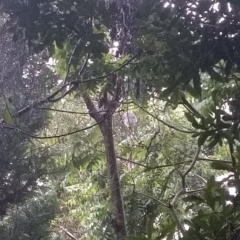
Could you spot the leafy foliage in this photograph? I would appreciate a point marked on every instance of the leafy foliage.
(188, 57)
(31, 220)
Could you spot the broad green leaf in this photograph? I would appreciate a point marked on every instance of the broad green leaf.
(217, 76)
(228, 68)
(227, 135)
(197, 84)
(198, 126)
(203, 137)
(215, 141)
(7, 116)
(218, 165)
(192, 91)
(193, 198)
(190, 118)
(196, 134)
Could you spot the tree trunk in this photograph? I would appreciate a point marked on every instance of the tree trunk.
(105, 123)
(118, 221)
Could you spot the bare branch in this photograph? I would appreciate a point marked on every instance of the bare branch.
(194, 191)
(183, 189)
(49, 137)
(64, 111)
(193, 163)
(57, 136)
(170, 164)
(67, 92)
(128, 160)
(200, 177)
(68, 233)
(168, 125)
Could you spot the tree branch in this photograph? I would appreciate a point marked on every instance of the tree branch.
(68, 233)
(183, 188)
(193, 163)
(92, 109)
(64, 111)
(128, 160)
(57, 136)
(50, 98)
(170, 164)
(153, 198)
(168, 125)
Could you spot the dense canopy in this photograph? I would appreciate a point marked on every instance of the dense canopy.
(74, 164)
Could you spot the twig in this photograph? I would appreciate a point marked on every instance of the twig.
(66, 232)
(194, 191)
(153, 198)
(200, 177)
(128, 160)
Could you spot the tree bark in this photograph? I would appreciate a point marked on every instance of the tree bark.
(118, 220)
(105, 124)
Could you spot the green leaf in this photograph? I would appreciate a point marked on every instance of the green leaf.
(189, 207)
(217, 76)
(136, 238)
(167, 92)
(228, 136)
(215, 141)
(238, 149)
(228, 68)
(6, 115)
(190, 118)
(193, 198)
(218, 165)
(197, 84)
(199, 126)
(166, 230)
(149, 227)
(203, 137)
(196, 134)
(191, 90)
